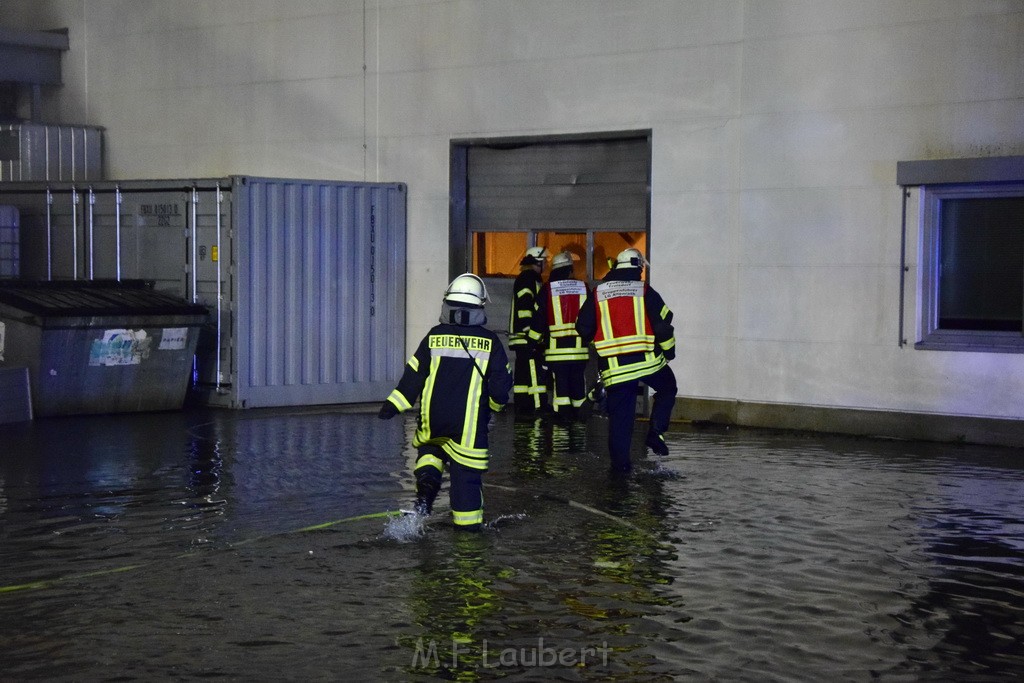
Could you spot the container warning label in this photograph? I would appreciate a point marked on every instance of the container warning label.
(120, 347)
(173, 338)
(3, 334)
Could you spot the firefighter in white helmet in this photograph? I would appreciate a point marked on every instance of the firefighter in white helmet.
(460, 375)
(631, 329)
(554, 330)
(529, 374)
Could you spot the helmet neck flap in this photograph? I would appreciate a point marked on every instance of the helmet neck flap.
(461, 314)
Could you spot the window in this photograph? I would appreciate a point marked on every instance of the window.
(497, 254)
(972, 252)
(973, 267)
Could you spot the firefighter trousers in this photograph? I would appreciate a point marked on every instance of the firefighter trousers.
(621, 406)
(465, 488)
(530, 382)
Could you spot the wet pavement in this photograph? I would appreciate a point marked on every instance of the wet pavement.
(262, 545)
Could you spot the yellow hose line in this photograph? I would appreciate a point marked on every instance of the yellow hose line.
(47, 583)
(575, 504)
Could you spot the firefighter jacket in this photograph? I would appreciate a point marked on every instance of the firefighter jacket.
(629, 325)
(554, 324)
(524, 304)
(460, 375)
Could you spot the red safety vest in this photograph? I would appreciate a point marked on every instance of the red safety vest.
(565, 297)
(564, 306)
(622, 322)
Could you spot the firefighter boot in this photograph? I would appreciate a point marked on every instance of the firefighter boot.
(428, 483)
(656, 442)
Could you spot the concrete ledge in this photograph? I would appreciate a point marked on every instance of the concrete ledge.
(859, 422)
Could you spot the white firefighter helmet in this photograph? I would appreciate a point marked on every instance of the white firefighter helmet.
(467, 289)
(630, 258)
(535, 256)
(563, 259)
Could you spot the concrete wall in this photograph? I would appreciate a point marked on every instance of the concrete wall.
(777, 125)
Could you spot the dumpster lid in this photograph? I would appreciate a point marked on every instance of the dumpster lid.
(81, 298)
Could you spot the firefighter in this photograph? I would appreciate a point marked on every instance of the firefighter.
(530, 388)
(631, 329)
(554, 331)
(460, 375)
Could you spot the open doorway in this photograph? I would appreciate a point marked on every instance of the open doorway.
(589, 194)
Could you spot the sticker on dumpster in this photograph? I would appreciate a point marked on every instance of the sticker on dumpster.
(3, 335)
(173, 338)
(120, 347)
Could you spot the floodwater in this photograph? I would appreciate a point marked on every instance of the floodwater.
(255, 545)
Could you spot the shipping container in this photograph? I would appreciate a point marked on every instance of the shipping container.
(10, 253)
(305, 279)
(53, 152)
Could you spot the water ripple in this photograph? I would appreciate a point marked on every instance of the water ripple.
(227, 544)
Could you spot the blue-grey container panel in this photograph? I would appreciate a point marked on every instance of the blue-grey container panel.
(10, 251)
(321, 280)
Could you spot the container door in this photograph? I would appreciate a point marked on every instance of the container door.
(321, 291)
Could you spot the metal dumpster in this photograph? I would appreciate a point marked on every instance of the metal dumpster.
(305, 279)
(99, 346)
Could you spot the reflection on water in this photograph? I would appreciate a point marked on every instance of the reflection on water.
(972, 533)
(239, 544)
(539, 447)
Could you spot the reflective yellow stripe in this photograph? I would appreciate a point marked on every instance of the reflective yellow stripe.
(557, 352)
(534, 386)
(664, 311)
(615, 373)
(495, 406)
(556, 313)
(467, 518)
(562, 330)
(414, 363)
(639, 316)
(556, 355)
(468, 456)
(399, 400)
(606, 321)
(428, 460)
(426, 397)
(621, 345)
(473, 405)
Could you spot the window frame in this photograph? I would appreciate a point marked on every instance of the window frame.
(931, 336)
